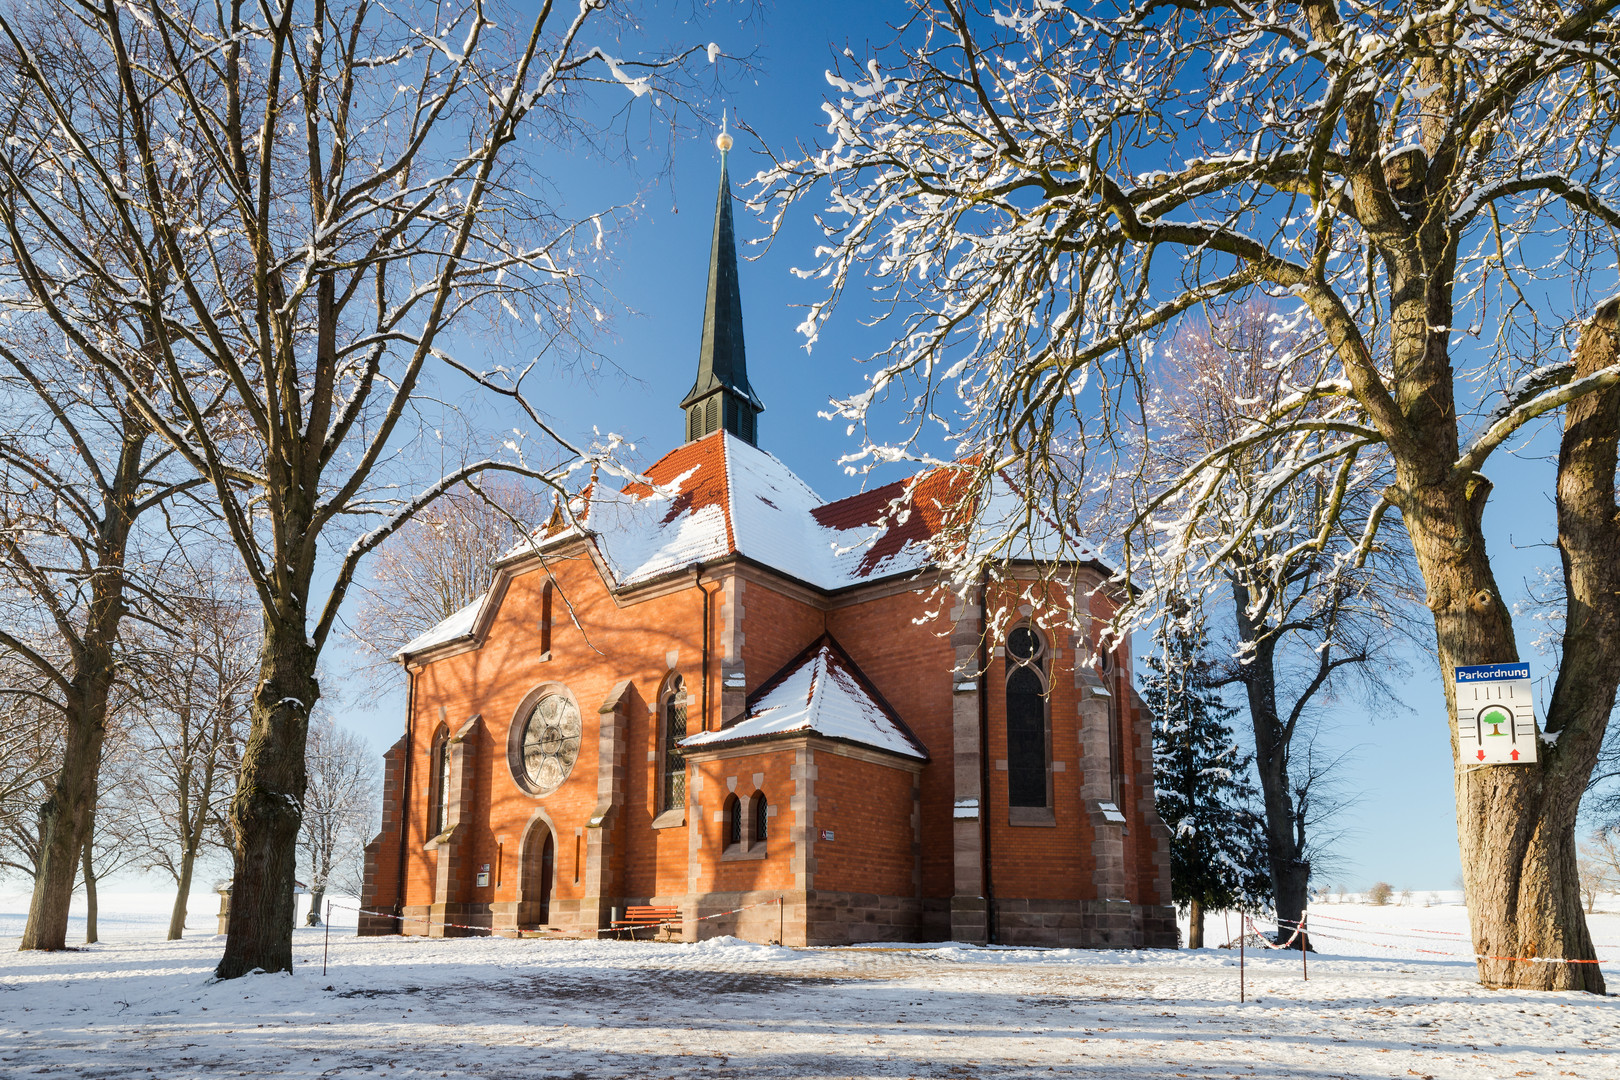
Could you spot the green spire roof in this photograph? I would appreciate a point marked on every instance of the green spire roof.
(721, 396)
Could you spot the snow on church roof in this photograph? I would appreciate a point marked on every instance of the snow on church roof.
(824, 693)
(721, 496)
(456, 626)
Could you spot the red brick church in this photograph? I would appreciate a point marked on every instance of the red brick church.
(721, 692)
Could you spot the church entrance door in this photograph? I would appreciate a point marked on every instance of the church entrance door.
(539, 871)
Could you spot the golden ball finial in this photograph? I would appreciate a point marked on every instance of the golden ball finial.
(724, 141)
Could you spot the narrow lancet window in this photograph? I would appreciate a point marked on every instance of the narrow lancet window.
(1026, 718)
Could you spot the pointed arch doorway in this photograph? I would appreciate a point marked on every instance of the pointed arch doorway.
(537, 874)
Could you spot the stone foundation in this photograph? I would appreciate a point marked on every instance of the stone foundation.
(768, 917)
(828, 918)
(968, 915)
(1085, 924)
(377, 925)
(839, 918)
(934, 922)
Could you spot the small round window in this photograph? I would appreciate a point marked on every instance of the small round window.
(550, 745)
(1024, 644)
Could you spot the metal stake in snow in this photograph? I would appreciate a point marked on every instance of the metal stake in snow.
(1243, 932)
(1304, 964)
(326, 950)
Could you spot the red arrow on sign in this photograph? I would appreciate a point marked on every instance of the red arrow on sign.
(1514, 755)
(1482, 755)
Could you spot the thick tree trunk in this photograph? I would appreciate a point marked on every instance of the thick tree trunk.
(1195, 925)
(267, 808)
(1516, 823)
(91, 934)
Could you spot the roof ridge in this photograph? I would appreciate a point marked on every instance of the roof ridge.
(789, 470)
(869, 688)
(777, 677)
(820, 669)
(731, 490)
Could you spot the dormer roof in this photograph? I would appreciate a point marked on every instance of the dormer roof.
(819, 692)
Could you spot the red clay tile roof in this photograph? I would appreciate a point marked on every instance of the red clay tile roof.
(721, 496)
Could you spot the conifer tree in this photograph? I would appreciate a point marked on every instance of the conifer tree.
(1217, 843)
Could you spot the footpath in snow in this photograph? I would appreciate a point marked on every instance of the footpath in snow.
(585, 1010)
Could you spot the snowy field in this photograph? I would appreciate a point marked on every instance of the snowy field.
(1390, 1003)
(137, 914)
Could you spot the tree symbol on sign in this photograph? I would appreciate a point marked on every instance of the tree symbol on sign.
(1494, 717)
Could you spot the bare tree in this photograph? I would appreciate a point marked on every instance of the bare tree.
(78, 468)
(30, 754)
(186, 714)
(1600, 865)
(1306, 624)
(307, 197)
(32, 738)
(1593, 880)
(1036, 193)
(338, 810)
(113, 841)
(29, 749)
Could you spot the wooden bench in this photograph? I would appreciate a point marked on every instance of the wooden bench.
(636, 916)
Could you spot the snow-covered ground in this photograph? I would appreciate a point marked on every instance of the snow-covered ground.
(1386, 1004)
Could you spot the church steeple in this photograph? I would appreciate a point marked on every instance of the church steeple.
(721, 396)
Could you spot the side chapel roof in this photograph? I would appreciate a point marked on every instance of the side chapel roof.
(820, 691)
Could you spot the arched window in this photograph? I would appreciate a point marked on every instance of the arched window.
(439, 816)
(761, 818)
(734, 822)
(673, 706)
(1026, 718)
(1116, 764)
(545, 617)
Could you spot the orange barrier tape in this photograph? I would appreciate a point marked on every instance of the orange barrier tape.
(1272, 944)
(1462, 956)
(1413, 929)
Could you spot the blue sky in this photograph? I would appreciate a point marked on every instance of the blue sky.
(1402, 827)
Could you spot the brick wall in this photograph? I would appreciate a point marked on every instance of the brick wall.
(751, 867)
(869, 808)
(901, 880)
(639, 643)
(910, 665)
